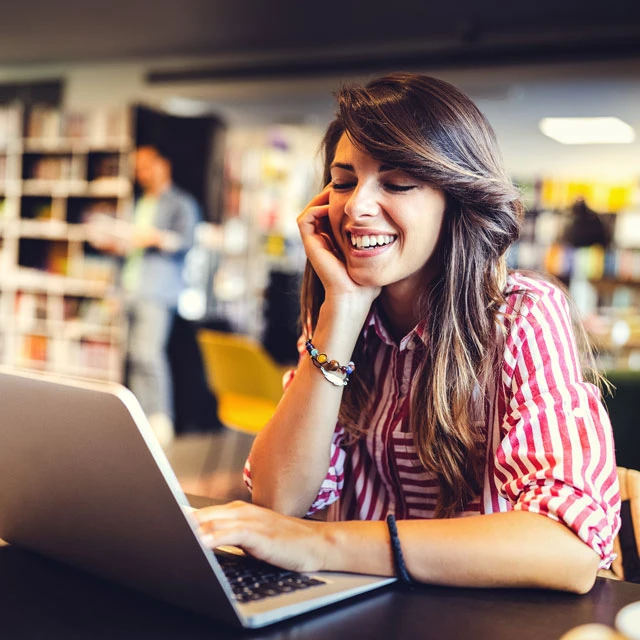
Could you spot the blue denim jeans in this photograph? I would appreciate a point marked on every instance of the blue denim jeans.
(149, 371)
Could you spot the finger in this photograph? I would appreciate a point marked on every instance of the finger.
(317, 206)
(230, 510)
(331, 243)
(234, 536)
(238, 536)
(219, 525)
(310, 217)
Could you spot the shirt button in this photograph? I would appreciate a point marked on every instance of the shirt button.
(411, 345)
(404, 388)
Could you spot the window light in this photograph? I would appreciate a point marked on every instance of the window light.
(587, 130)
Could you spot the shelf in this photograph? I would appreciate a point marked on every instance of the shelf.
(33, 280)
(32, 327)
(10, 188)
(103, 187)
(51, 230)
(52, 282)
(67, 330)
(28, 363)
(77, 329)
(72, 145)
(612, 283)
(35, 187)
(109, 187)
(10, 147)
(88, 372)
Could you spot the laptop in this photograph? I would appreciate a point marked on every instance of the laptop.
(84, 481)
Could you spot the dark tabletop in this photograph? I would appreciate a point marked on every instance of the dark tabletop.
(44, 599)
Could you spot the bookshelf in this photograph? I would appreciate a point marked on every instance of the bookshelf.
(603, 277)
(59, 306)
(270, 175)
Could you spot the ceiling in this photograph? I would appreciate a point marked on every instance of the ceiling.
(279, 60)
(461, 31)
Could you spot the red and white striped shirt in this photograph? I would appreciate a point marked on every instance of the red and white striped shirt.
(547, 440)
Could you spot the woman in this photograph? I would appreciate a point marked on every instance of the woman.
(467, 398)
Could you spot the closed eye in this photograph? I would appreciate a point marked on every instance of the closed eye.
(342, 186)
(398, 188)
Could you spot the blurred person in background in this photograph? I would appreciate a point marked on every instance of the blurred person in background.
(154, 250)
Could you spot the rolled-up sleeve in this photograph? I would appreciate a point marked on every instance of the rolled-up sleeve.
(556, 456)
(334, 479)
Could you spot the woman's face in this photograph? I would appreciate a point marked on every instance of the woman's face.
(386, 222)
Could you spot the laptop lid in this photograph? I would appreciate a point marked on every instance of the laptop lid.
(83, 480)
(81, 484)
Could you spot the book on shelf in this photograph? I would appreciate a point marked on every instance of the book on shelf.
(52, 167)
(30, 308)
(99, 268)
(36, 208)
(107, 126)
(43, 123)
(10, 124)
(74, 125)
(34, 349)
(95, 312)
(595, 263)
(58, 258)
(104, 165)
(95, 353)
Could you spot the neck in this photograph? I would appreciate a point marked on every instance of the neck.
(400, 300)
(400, 310)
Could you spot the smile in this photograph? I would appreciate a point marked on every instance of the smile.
(371, 241)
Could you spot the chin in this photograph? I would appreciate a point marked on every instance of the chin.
(367, 279)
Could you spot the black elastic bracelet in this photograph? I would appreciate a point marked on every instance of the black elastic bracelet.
(398, 558)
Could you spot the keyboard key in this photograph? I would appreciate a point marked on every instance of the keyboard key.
(252, 579)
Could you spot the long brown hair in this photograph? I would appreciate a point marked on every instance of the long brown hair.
(435, 133)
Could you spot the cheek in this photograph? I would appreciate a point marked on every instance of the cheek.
(335, 215)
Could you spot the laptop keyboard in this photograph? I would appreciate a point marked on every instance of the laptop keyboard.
(252, 579)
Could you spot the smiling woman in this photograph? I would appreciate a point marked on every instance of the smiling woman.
(467, 398)
(368, 201)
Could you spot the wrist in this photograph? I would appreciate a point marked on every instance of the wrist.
(337, 330)
(355, 546)
(347, 310)
(330, 547)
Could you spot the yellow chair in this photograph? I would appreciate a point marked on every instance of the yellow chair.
(245, 379)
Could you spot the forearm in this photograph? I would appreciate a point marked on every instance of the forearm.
(290, 456)
(515, 549)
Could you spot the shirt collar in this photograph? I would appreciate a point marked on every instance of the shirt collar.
(375, 322)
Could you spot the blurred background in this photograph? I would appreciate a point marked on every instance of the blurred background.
(238, 93)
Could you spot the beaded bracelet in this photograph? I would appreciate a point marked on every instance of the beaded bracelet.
(330, 369)
(396, 549)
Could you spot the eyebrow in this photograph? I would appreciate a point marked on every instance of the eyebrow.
(349, 167)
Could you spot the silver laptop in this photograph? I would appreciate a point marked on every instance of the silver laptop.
(84, 481)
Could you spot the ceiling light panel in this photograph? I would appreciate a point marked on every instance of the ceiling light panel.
(608, 130)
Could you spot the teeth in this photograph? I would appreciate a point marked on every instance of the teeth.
(362, 242)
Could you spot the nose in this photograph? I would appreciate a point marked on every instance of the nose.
(362, 202)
